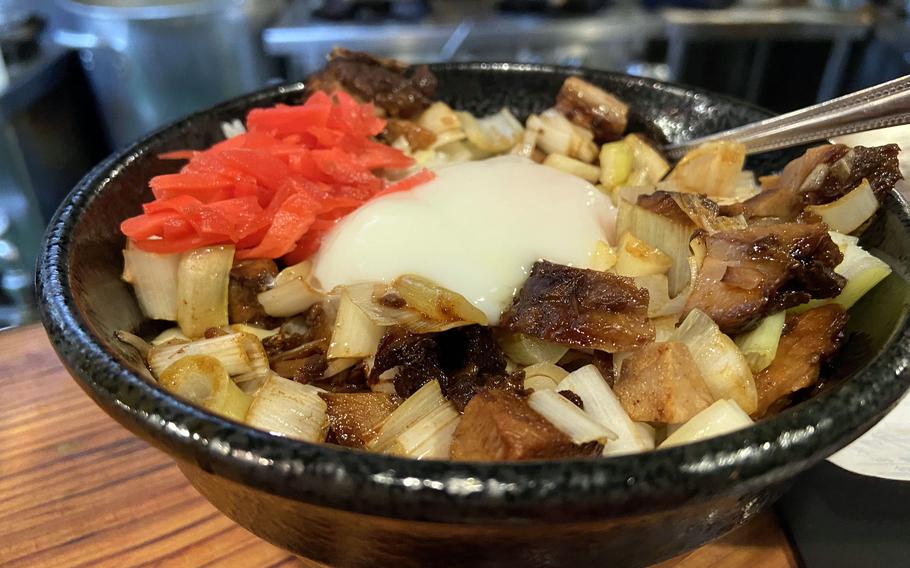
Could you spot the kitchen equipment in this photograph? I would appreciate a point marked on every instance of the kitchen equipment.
(351, 508)
(152, 61)
(876, 107)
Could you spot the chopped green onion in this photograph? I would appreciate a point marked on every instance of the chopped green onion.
(355, 335)
(493, 134)
(638, 258)
(288, 408)
(539, 382)
(615, 163)
(862, 270)
(572, 166)
(526, 350)
(241, 355)
(203, 381)
(759, 346)
(291, 297)
(668, 236)
(602, 405)
(436, 447)
(421, 434)
(720, 362)
(848, 213)
(549, 370)
(300, 270)
(438, 118)
(427, 399)
(154, 280)
(722, 417)
(572, 421)
(202, 289)
(648, 166)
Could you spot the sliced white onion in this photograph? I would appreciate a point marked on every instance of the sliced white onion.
(718, 359)
(288, 408)
(568, 418)
(849, 212)
(722, 417)
(602, 405)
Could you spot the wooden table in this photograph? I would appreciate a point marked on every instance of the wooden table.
(76, 489)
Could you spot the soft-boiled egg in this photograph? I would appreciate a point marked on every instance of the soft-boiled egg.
(476, 229)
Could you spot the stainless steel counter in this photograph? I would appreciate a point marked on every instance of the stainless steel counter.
(611, 38)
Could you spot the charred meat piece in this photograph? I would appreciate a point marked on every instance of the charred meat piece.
(472, 357)
(499, 425)
(690, 209)
(312, 325)
(350, 380)
(573, 398)
(352, 416)
(297, 351)
(249, 278)
(705, 213)
(415, 355)
(463, 360)
(822, 175)
(603, 361)
(582, 308)
(418, 138)
(307, 370)
(878, 164)
(400, 90)
(809, 339)
(662, 203)
(748, 273)
(592, 108)
(661, 383)
(304, 363)
(781, 196)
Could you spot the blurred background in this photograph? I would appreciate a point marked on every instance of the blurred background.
(81, 78)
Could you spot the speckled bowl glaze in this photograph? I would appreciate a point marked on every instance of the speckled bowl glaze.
(350, 508)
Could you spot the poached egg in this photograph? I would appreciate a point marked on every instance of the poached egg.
(476, 229)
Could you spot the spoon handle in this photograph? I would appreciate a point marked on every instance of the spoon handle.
(880, 106)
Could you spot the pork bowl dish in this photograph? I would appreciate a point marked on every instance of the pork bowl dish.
(376, 269)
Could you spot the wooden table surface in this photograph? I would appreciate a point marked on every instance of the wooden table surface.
(76, 489)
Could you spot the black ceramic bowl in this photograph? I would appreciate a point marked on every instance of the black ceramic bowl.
(351, 508)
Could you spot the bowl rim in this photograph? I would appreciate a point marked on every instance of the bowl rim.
(574, 490)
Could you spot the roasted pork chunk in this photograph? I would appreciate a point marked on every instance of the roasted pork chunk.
(499, 425)
(592, 108)
(583, 308)
(750, 272)
(399, 90)
(808, 340)
(822, 175)
(661, 383)
(352, 416)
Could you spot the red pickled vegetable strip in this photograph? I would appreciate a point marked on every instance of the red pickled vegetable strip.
(290, 223)
(277, 189)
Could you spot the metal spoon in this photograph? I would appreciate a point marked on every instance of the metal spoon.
(887, 104)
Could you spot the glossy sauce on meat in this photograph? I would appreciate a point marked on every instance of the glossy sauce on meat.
(582, 308)
(808, 340)
(748, 273)
(592, 108)
(396, 88)
(463, 360)
(822, 175)
(499, 425)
